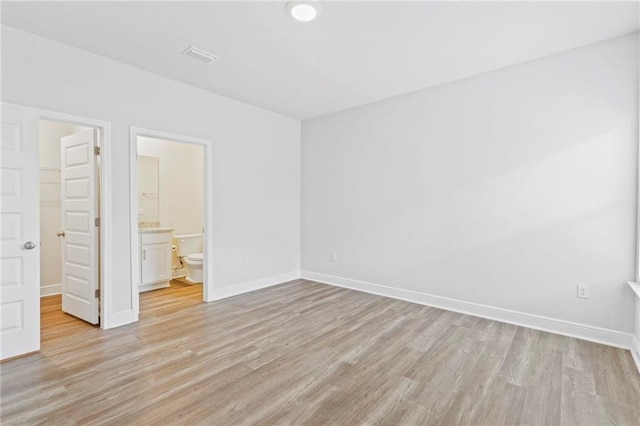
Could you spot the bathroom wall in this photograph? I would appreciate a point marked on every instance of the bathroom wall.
(148, 187)
(181, 183)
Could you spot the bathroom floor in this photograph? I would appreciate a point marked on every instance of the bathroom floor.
(169, 301)
(182, 282)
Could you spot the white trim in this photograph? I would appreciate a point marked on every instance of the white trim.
(133, 224)
(635, 342)
(638, 200)
(635, 351)
(106, 248)
(248, 286)
(154, 286)
(566, 328)
(122, 318)
(208, 282)
(50, 290)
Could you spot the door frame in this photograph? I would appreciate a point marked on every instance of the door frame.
(207, 244)
(105, 242)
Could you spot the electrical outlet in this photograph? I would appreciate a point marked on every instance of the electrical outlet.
(245, 263)
(583, 291)
(334, 256)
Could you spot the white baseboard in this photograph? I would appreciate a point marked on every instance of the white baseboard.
(50, 290)
(247, 286)
(154, 286)
(566, 328)
(127, 317)
(635, 350)
(118, 319)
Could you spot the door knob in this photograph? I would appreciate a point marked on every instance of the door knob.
(29, 245)
(60, 234)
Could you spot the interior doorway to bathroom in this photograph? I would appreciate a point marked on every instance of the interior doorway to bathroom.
(69, 180)
(170, 214)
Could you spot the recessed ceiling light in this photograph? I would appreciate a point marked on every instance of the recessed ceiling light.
(201, 55)
(303, 11)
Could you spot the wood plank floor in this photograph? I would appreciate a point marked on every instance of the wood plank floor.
(307, 353)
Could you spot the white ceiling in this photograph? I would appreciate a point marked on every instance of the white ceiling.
(355, 53)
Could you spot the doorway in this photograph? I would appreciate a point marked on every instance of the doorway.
(69, 217)
(20, 222)
(171, 213)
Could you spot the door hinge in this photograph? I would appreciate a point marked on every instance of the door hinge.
(97, 293)
(97, 221)
(96, 150)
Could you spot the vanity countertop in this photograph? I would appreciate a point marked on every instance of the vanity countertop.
(154, 230)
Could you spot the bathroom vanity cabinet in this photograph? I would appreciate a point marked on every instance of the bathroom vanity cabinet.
(155, 258)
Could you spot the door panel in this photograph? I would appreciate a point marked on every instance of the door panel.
(79, 210)
(19, 233)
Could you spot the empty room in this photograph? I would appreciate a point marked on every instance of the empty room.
(320, 212)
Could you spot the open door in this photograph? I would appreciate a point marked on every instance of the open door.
(80, 296)
(19, 233)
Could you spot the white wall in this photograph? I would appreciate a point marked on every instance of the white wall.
(505, 189)
(181, 183)
(50, 220)
(256, 183)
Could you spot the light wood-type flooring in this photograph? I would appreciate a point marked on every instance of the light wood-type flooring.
(306, 353)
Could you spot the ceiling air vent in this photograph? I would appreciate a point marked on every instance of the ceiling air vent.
(201, 55)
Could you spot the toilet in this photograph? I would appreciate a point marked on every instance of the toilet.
(190, 251)
(194, 264)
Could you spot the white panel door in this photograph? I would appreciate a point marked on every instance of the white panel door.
(80, 239)
(19, 233)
